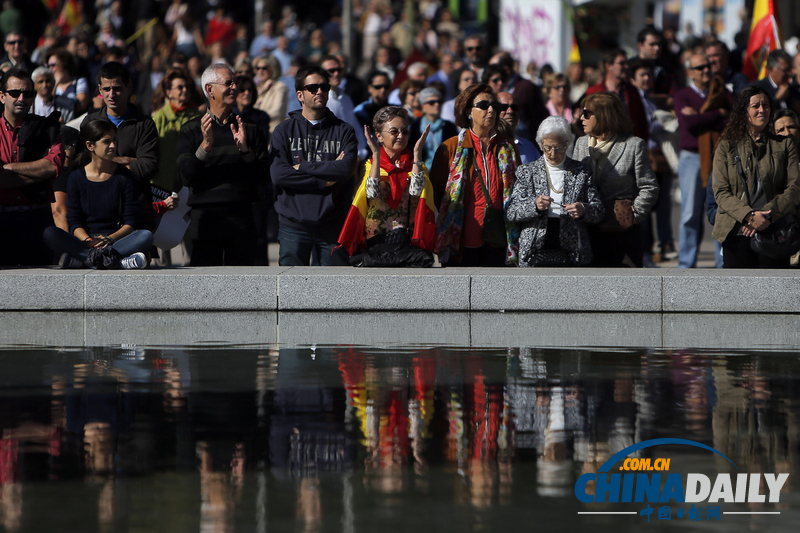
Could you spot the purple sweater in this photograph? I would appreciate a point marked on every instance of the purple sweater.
(693, 125)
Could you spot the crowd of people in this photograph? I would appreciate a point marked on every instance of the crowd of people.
(426, 144)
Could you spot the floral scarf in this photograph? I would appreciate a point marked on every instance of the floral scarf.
(450, 221)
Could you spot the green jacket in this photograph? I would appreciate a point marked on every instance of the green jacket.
(780, 177)
(168, 125)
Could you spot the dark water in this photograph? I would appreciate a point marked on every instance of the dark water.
(352, 439)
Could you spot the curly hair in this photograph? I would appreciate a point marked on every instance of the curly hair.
(736, 130)
(385, 114)
(160, 94)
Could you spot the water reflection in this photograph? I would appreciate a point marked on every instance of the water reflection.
(350, 439)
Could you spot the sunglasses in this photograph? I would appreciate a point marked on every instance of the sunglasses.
(14, 93)
(433, 102)
(587, 114)
(226, 83)
(506, 107)
(264, 67)
(334, 70)
(472, 48)
(381, 87)
(12, 43)
(484, 105)
(701, 67)
(394, 132)
(560, 87)
(313, 88)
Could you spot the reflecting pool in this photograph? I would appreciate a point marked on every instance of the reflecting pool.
(346, 438)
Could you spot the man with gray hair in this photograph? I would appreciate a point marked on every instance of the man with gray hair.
(416, 71)
(779, 74)
(43, 83)
(509, 111)
(222, 159)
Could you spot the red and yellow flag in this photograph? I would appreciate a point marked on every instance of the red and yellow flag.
(70, 17)
(352, 238)
(765, 36)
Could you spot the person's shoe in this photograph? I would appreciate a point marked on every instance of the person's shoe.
(136, 261)
(67, 261)
(668, 251)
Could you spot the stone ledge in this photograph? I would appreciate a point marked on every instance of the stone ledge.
(345, 289)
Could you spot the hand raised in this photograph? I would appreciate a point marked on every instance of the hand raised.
(206, 124)
(240, 135)
(421, 143)
(372, 141)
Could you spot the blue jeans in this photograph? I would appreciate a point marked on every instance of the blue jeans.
(692, 201)
(297, 246)
(62, 242)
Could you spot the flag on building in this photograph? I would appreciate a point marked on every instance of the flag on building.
(765, 36)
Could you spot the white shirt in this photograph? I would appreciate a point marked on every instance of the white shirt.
(557, 180)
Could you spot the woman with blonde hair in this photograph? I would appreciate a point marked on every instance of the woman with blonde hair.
(273, 94)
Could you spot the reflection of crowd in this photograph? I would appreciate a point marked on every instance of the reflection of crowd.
(481, 419)
(672, 103)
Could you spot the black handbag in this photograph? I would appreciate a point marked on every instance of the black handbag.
(782, 238)
(550, 258)
(494, 222)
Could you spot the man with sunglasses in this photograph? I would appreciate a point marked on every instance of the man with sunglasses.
(532, 109)
(31, 156)
(222, 158)
(475, 53)
(312, 162)
(16, 48)
(695, 118)
(509, 111)
(378, 88)
(137, 136)
(340, 103)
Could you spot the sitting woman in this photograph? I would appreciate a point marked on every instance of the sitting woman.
(553, 200)
(102, 209)
(396, 193)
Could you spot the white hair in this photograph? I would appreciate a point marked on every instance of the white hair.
(42, 71)
(419, 66)
(211, 75)
(555, 126)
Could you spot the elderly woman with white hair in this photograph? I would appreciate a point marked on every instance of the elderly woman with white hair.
(440, 129)
(553, 200)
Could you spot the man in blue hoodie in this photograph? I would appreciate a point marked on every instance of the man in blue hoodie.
(312, 162)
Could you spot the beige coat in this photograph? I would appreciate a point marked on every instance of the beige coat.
(780, 176)
(273, 99)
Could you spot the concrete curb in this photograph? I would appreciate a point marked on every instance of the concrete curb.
(344, 289)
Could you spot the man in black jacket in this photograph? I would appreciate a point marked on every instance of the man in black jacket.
(137, 137)
(312, 160)
(31, 156)
(222, 159)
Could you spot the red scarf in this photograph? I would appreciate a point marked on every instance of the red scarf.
(398, 175)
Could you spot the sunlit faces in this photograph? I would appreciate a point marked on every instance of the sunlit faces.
(105, 148)
(781, 72)
(178, 92)
(758, 112)
(44, 87)
(554, 149)
(619, 68)
(317, 100)
(509, 111)
(335, 71)
(223, 90)
(394, 135)
(715, 58)
(466, 79)
(484, 112)
(589, 121)
(559, 93)
(379, 89)
(699, 70)
(115, 93)
(18, 97)
(650, 48)
(787, 127)
(247, 95)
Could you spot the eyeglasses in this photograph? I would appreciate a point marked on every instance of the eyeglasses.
(484, 105)
(226, 83)
(553, 149)
(334, 70)
(394, 132)
(506, 107)
(14, 93)
(560, 87)
(433, 102)
(701, 67)
(585, 113)
(12, 43)
(52, 65)
(381, 87)
(313, 88)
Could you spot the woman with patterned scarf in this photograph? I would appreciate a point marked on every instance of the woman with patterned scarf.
(620, 165)
(472, 175)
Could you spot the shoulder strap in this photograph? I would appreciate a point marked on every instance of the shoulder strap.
(740, 170)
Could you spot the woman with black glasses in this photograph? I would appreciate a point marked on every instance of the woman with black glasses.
(620, 165)
(473, 174)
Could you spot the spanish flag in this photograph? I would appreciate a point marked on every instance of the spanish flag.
(765, 36)
(353, 238)
(70, 17)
